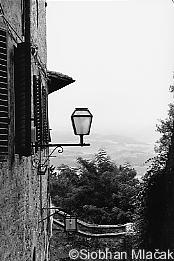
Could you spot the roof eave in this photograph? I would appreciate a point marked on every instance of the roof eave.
(57, 81)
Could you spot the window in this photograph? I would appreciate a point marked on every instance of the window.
(45, 117)
(23, 103)
(37, 108)
(23, 99)
(40, 111)
(4, 117)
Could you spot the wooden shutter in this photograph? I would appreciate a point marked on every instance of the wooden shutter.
(45, 118)
(37, 108)
(23, 99)
(40, 112)
(4, 118)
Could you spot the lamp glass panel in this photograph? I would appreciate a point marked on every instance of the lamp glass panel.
(82, 125)
(70, 224)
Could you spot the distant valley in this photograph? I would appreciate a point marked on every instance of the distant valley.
(120, 148)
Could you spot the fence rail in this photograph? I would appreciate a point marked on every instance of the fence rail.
(92, 230)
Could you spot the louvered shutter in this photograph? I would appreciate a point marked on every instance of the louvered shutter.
(37, 108)
(23, 99)
(45, 118)
(4, 119)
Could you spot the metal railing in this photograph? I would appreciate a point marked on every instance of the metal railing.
(92, 230)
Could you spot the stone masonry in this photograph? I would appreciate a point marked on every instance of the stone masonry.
(24, 195)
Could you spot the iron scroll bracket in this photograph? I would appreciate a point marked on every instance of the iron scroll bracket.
(42, 167)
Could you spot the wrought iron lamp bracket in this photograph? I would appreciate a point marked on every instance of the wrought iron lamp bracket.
(42, 167)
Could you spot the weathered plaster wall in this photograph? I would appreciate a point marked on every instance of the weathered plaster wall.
(23, 193)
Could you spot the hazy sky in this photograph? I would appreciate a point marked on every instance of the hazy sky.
(121, 54)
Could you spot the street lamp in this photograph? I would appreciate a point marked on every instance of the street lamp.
(81, 122)
(70, 223)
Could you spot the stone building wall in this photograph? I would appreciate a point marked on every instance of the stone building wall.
(23, 193)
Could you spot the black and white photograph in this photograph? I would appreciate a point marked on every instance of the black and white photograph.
(86, 130)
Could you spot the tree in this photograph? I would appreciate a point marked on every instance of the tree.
(97, 191)
(161, 148)
(153, 200)
(63, 181)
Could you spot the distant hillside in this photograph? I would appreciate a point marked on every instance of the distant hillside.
(120, 148)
